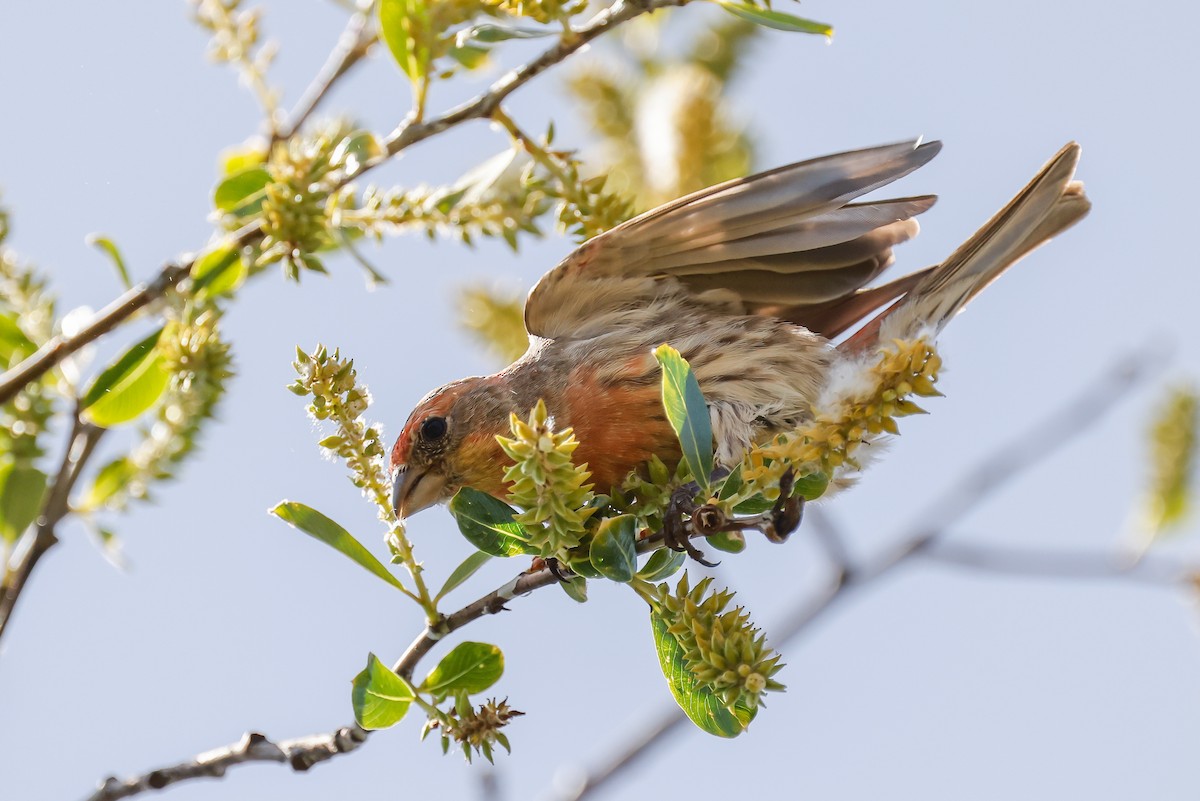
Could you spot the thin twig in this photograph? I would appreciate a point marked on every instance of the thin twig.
(304, 752)
(81, 441)
(412, 130)
(831, 538)
(1041, 563)
(353, 45)
(61, 346)
(990, 475)
(125, 306)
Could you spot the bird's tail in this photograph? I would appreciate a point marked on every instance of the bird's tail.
(1049, 204)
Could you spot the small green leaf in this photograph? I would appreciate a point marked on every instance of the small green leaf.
(22, 489)
(584, 567)
(14, 344)
(110, 249)
(776, 19)
(576, 589)
(111, 479)
(490, 34)
(470, 56)
(317, 525)
(356, 151)
(471, 667)
(728, 541)
(218, 272)
(662, 564)
(614, 548)
(811, 487)
(687, 412)
(463, 572)
(404, 25)
(731, 483)
(380, 698)
(488, 524)
(242, 193)
(701, 705)
(129, 386)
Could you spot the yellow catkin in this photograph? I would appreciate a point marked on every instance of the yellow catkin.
(828, 443)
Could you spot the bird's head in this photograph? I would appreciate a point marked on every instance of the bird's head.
(448, 442)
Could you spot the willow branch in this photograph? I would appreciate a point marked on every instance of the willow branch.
(81, 442)
(61, 346)
(413, 130)
(990, 475)
(1055, 564)
(353, 45)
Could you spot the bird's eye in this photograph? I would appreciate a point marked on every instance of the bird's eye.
(433, 429)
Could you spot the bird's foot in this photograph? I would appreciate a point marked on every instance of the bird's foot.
(557, 568)
(677, 532)
(788, 511)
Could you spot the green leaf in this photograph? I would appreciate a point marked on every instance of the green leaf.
(701, 705)
(470, 56)
(490, 34)
(111, 479)
(488, 524)
(404, 25)
(471, 667)
(219, 272)
(109, 248)
(662, 564)
(811, 487)
(22, 489)
(576, 589)
(356, 151)
(463, 572)
(242, 193)
(614, 548)
(14, 345)
(584, 567)
(687, 412)
(808, 487)
(380, 698)
(776, 19)
(129, 386)
(317, 525)
(728, 541)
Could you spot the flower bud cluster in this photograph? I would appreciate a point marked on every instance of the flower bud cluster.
(1172, 459)
(30, 308)
(296, 206)
(546, 483)
(543, 11)
(722, 648)
(476, 730)
(829, 442)
(332, 383)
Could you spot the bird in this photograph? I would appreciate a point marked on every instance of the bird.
(758, 282)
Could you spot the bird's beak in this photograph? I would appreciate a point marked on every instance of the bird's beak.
(414, 489)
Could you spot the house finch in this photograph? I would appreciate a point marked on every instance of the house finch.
(751, 280)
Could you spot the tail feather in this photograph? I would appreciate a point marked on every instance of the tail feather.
(1048, 205)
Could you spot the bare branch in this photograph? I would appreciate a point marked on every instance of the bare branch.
(81, 442)
(412, 130)
(1041, 563)
(304, 752)
(112, 315)
(353, 45)
(990, 475)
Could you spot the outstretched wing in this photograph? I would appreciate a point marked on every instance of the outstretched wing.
(788, 242)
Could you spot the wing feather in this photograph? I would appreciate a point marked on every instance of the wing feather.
(787, 237)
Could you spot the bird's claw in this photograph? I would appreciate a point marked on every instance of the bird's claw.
(787, 512)
(555, 567)
(676, 533)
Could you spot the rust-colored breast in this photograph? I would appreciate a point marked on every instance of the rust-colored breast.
(619, 424)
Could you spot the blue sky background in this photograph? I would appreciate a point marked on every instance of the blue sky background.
(934, 683)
